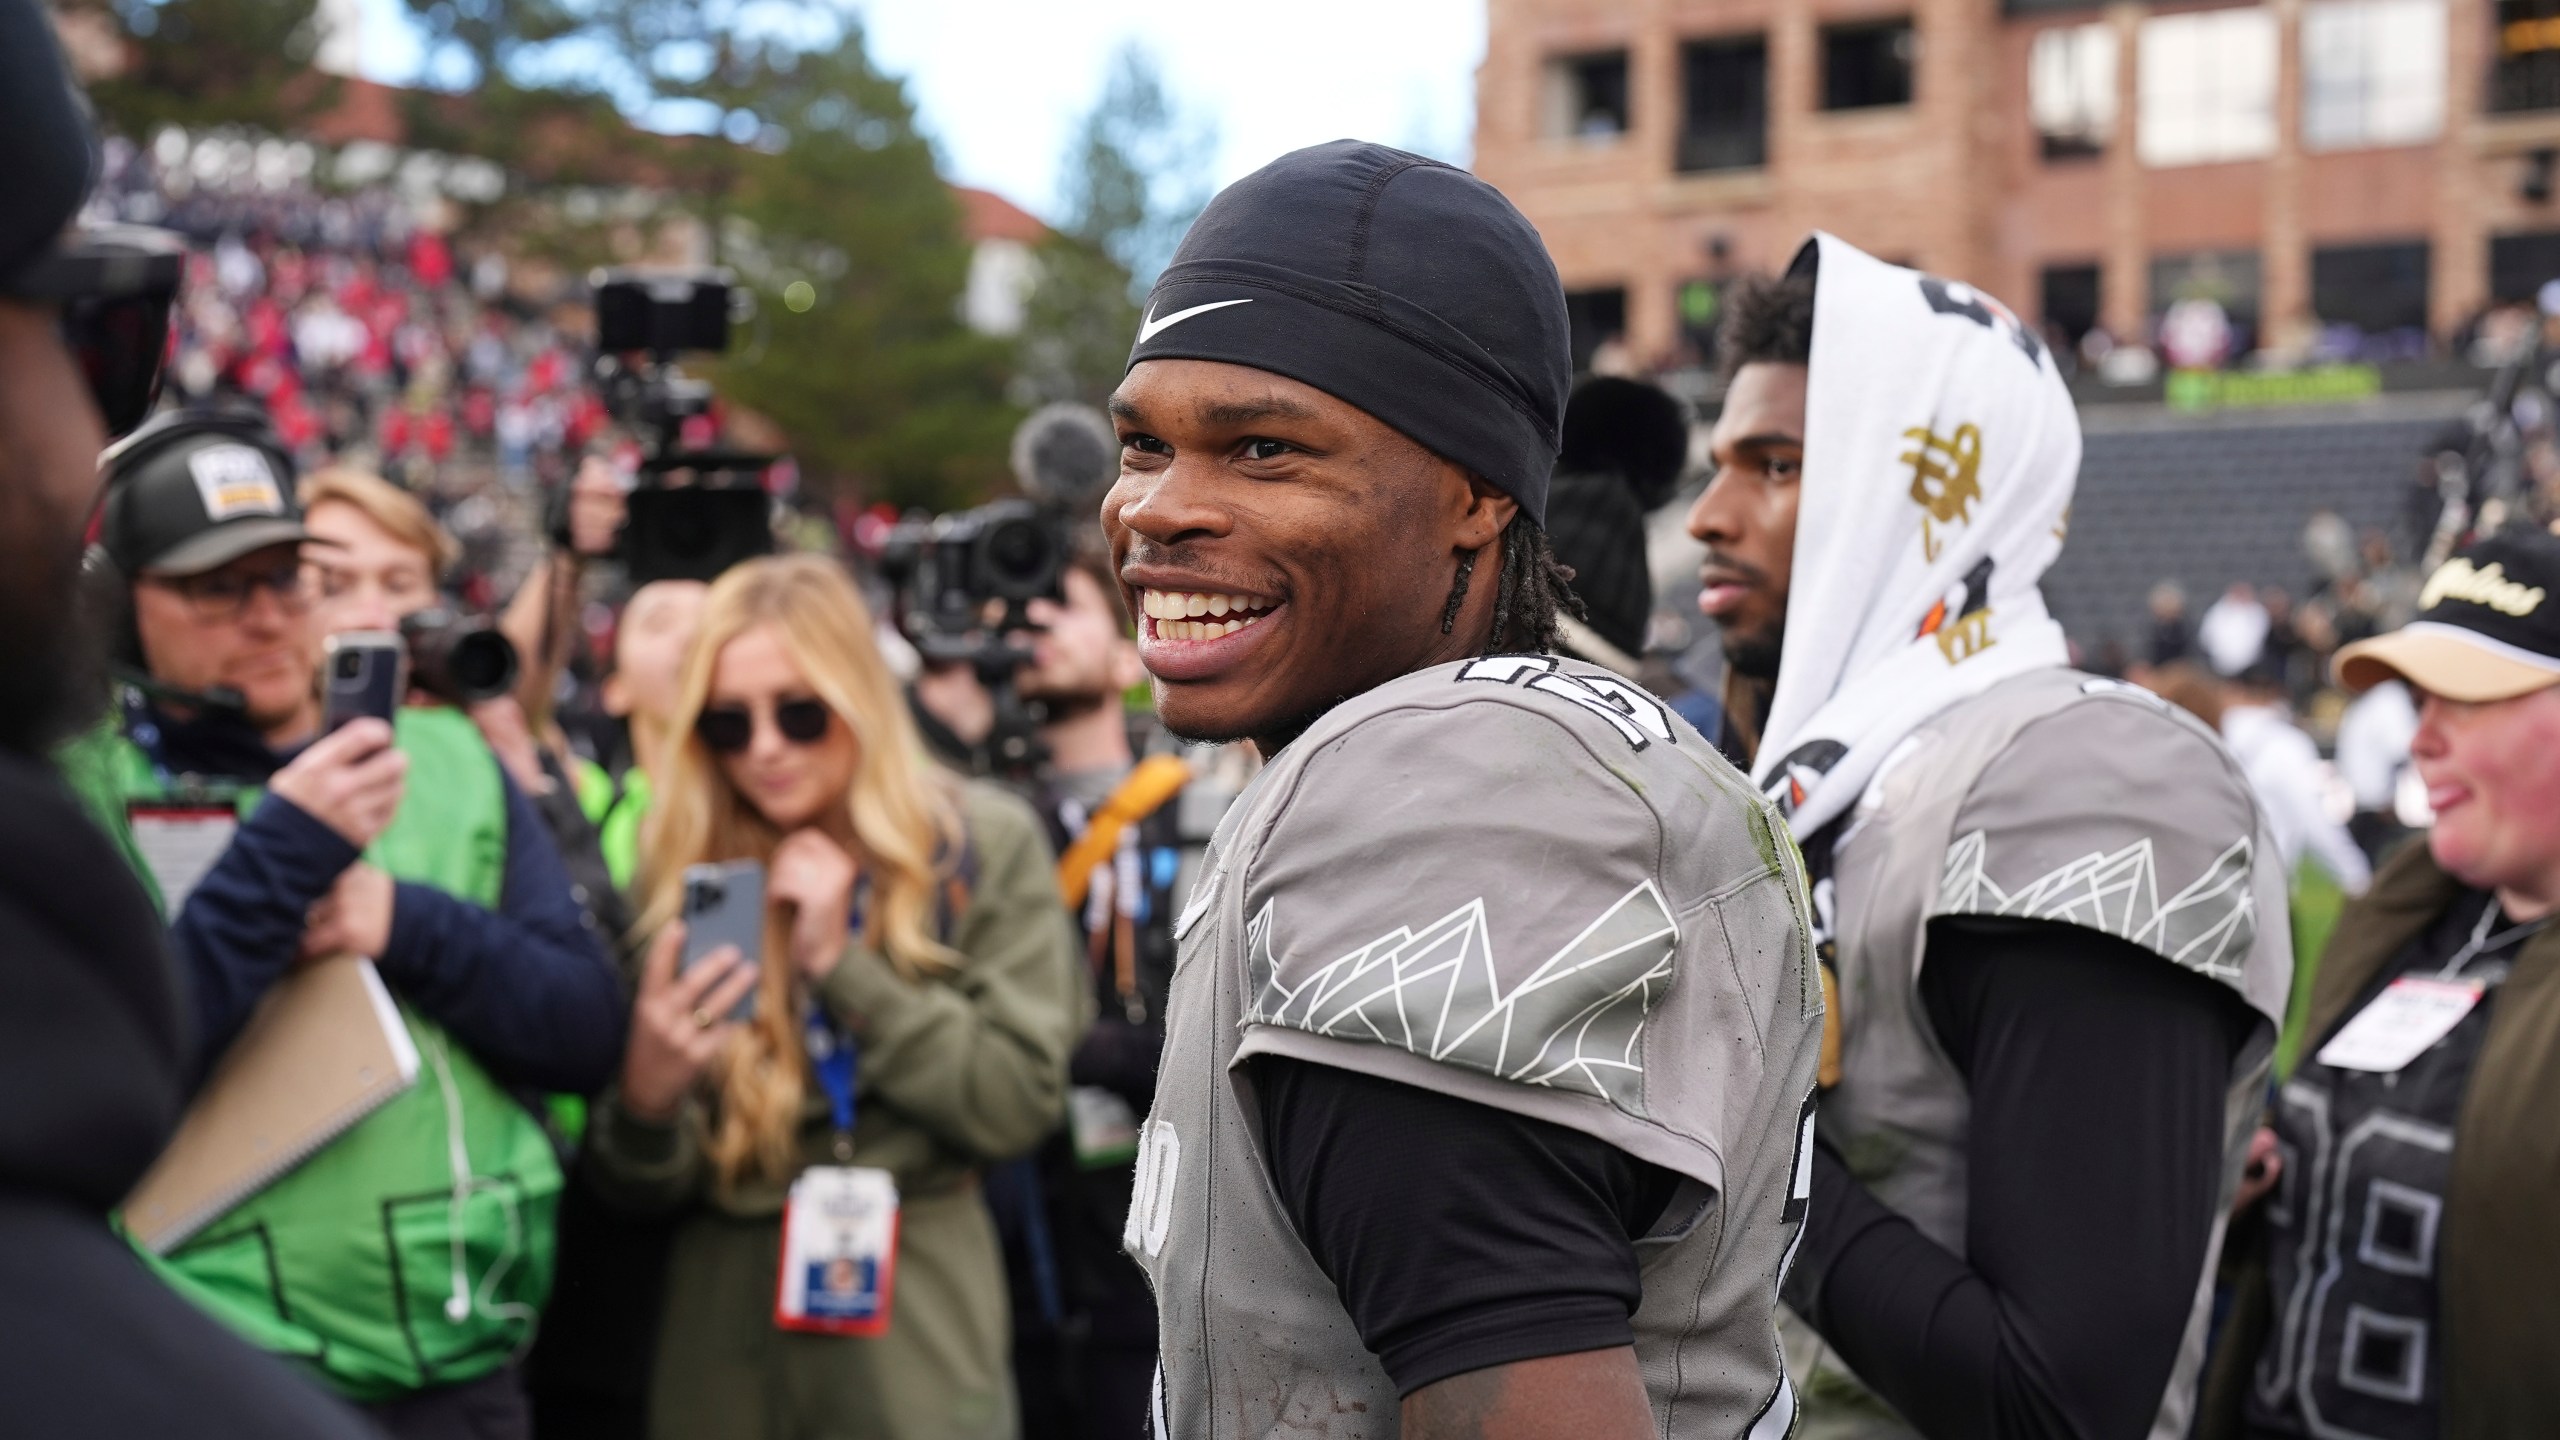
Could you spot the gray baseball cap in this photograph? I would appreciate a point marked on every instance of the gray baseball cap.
(193, 491)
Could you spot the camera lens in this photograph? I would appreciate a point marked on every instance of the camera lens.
(1020, 559)
(350, 665)
(483, 663)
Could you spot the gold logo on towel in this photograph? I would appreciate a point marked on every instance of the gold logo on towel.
(1945, 479)
(1965, 637)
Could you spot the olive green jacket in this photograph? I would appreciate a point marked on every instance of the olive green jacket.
(956, 1073)
(2498, 1281)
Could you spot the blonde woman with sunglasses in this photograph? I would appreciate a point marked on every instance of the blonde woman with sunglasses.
(908, 1022)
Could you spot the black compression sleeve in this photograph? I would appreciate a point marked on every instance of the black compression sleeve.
(2098, 1073)
(1459, 1237)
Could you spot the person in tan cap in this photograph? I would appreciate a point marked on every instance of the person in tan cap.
(2406, 1275)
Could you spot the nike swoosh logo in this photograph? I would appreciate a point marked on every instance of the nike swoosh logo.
(1148, 328)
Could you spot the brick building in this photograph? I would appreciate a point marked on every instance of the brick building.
(2384, 168)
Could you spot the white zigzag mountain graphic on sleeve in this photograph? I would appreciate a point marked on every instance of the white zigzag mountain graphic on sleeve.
(1576, 1022)
(2207, 927)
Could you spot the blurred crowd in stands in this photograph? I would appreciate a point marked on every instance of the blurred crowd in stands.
(2358, 585)
(368, 335)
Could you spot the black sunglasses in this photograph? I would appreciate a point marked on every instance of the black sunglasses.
(114, 286)
(730, 729)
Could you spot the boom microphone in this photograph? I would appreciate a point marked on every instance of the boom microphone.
(1065, 455)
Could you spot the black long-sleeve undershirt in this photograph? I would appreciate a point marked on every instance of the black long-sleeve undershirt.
(1459, 1237)
(2098, 1074)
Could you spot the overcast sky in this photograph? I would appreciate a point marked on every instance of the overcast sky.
(1000, 84)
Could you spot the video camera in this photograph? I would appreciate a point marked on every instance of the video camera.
(458, 660)
(644, 320)
(952, 571)
(964, 582)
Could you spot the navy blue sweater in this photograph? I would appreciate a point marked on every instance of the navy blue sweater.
(528, 989)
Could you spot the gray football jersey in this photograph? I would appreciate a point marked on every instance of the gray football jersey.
(2052, 796)
(1522, 882)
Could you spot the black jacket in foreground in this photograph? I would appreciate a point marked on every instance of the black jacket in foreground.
(91, 1053)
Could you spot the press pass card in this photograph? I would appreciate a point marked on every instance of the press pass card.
(2404, 1022)
(839, 1251)
(179, 844)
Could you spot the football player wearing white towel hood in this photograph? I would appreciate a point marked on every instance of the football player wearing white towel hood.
(2048, 909)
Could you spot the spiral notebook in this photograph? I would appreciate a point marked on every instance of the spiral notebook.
(325, 1049)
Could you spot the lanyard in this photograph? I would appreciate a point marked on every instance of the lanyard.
(2482, 942)
(832, 1053)
(835, 1057)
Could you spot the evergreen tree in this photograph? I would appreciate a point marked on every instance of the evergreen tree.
(1135, 179)
(214, 62)
(837, 218)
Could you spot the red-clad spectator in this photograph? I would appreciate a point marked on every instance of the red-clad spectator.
(429, 261)
(542, 375)
(435, 430)
(479, 412)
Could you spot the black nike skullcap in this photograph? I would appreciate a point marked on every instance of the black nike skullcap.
(53, 157)
(1401, 285)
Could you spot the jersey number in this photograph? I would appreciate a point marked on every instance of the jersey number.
(1630, 709)
(1151, 1194)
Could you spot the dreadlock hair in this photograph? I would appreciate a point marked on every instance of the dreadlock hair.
(1534, 590)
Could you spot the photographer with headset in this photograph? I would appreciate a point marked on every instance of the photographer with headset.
(319, 847)
(91, 1044)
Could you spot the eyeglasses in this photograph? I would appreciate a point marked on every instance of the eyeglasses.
(224, 596)
(730, 729)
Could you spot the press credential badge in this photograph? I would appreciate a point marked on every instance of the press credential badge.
(2403, 1022)
(179, 844)
(839, 1251)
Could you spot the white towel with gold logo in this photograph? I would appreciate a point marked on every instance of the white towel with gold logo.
(1941, 448)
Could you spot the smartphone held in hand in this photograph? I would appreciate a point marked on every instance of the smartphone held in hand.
(724, 905)
(363, 672)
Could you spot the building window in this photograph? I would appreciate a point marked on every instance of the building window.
(2071, 89)
(2204, 306)
(1867, 65)
(1596, 318)
(1586, 96)
(2527, 73)
(2208, 87)
(2374, 289)
(1724, 104)
(2069, 296)
(2520, 265)
(2373, 73)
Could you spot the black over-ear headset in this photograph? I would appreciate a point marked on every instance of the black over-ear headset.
(109, 587)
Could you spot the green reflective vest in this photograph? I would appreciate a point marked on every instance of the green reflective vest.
(415, 1250)
(617, 812)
